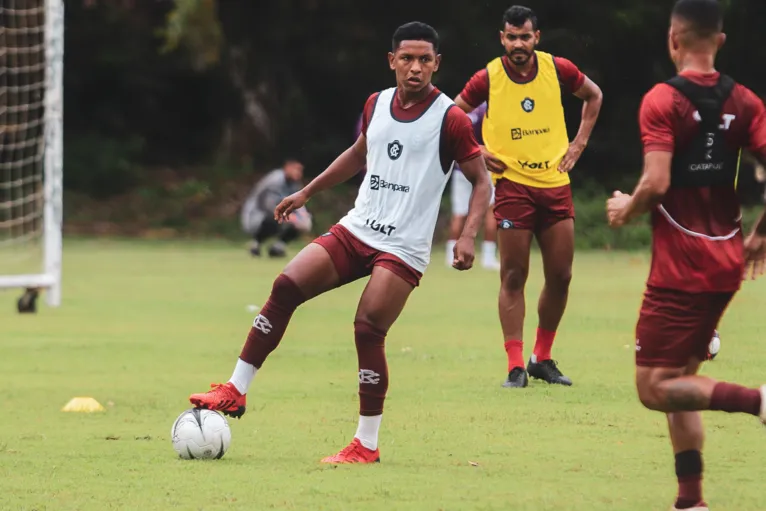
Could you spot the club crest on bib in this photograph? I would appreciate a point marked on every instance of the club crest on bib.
(528, 104)
(395, 149)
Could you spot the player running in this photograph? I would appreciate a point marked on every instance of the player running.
(411, 136)
(693, 128)
(527, 149)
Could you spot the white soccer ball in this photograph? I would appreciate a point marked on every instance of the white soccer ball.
(200, 434)
(714, 347)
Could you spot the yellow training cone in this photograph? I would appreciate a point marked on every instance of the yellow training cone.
(83, 404)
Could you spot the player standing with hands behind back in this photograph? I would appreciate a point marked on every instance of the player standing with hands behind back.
(529, 153)
(693, 127)
(412, 135)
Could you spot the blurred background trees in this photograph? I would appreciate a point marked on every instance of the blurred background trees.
(215, 91)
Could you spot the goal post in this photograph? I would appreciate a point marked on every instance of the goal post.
(31, 145)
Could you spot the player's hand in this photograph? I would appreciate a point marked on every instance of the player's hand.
(615, 208)
(463, 253)
(755, 256)
(288, 205)
(493, 163)
(570, 158)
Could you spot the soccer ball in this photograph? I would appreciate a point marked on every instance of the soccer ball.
(200, 434)
(714, 347)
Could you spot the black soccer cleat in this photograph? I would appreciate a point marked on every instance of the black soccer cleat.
(277, 250)
(517, 378)
(548, 371)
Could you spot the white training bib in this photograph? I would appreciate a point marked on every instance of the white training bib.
(398, 202)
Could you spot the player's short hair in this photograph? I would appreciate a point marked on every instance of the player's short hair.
(517, 15)
(704, 17)
(415, 31)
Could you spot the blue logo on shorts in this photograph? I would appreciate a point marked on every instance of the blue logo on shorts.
(506, 224)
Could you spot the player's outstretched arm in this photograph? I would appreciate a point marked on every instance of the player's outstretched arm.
(475, 171)
(651, 188)
(592, 98)
(341, 170)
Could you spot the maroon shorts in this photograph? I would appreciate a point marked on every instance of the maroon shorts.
(676, 326)
(354, 259)
(520, 206)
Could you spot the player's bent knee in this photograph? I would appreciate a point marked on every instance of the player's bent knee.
(368, 327)
(647, 397)
(651, 393)
(286, 292)
(514, 279)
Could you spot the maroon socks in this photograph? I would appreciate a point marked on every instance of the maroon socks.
(270, 325)
(373, 369)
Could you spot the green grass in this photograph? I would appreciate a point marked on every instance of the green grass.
(145, 324)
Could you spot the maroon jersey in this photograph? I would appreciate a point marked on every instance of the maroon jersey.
(696, 231)
(458, 142)
(476, 91)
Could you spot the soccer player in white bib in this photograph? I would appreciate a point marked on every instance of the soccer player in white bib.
(412, 135)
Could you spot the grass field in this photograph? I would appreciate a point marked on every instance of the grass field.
(145, 324)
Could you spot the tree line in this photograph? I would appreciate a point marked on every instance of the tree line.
(242, 83)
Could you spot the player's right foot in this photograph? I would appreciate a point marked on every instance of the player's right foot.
(695, 508)
(224, 398)
(255, 249)
(517, 378)
(548, 371)
(763, 405)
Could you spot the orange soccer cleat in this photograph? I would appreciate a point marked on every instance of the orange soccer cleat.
(224, 398)
(354, 453)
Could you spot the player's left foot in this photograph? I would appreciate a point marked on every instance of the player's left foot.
(355, 452)
(493, 265)
(517, 379)
(548, 371)
(700, 507)
(763, 405)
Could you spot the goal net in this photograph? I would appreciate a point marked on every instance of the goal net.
(31, 144)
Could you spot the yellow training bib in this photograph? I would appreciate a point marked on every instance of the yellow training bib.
(524, 125)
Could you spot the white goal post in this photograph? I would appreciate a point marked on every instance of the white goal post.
(31, 145)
